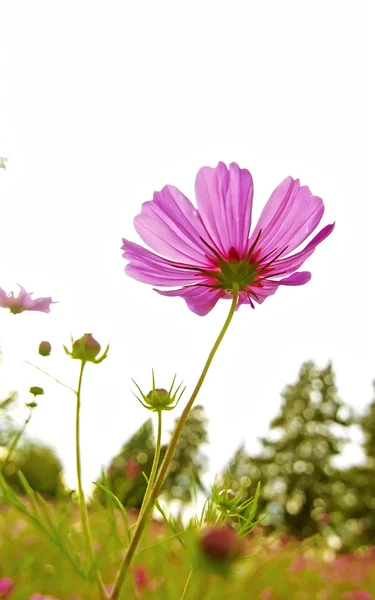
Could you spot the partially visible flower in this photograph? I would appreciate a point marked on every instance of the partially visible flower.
(6, 587)
(131, 468)
(208, 252)
(45, 348)
(141, 578)
(24, 301)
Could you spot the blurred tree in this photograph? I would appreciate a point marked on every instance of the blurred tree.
(368, 427)
(295, 463)
(124, 475)
(185, 472)
(39, 464)
(354, 490)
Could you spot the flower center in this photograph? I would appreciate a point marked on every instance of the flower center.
(235, 273)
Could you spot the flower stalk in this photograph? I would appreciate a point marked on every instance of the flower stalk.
(82, 504)
(142, 521)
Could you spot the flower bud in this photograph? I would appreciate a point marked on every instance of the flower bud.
(220, 543)
(36, 390)
(45, 348)
(159, 398)
(87, 349)
(227, 494)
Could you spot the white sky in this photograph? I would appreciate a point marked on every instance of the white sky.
(101, 103)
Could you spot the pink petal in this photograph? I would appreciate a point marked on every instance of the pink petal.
(268, 287)
(289, 217)
(291, 263)
(200, 299)
(149, 268)
(170, 224)
(224, 198)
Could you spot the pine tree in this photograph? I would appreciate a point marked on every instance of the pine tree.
(124, 476)
(295, 463)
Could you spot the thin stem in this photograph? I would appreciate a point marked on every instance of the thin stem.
(183, 595)
(155, 465)
(51, 376)
(82, 504)
(15, 442)
(142, 520)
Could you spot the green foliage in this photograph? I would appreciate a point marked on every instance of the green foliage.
(40, 466)
(125, 477)
(295, 463)
(185, 472)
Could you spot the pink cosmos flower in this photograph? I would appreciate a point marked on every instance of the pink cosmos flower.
(208, 252)
(23, 301)
(6, 587)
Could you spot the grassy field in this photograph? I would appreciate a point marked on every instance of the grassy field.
(270, 568)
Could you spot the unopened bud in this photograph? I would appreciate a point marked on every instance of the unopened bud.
(220, 543)
(227, 494)
(159, 398)
(45, 348)
(87, 349)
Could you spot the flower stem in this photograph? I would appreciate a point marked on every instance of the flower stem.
(142, 520)
(155, 465)
(50, 376)
(14, 443)
(82, 504)
(184, 591)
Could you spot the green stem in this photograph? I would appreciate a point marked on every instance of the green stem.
(15, 442)
(82, 504)
(186, 585)
(50, 376)
(142, 520)
(155, 465)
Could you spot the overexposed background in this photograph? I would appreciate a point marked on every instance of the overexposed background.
(101, 103)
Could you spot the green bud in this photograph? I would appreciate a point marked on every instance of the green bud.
(36, 391)
(87, 349)
(45, 348)
(158, 398)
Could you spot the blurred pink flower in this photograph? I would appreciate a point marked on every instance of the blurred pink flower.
(357, 595)
(131, 468)
(208, 251)
(299, 564)
(6, 587)
(141, 578)
(23, 301)
(266, 594)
